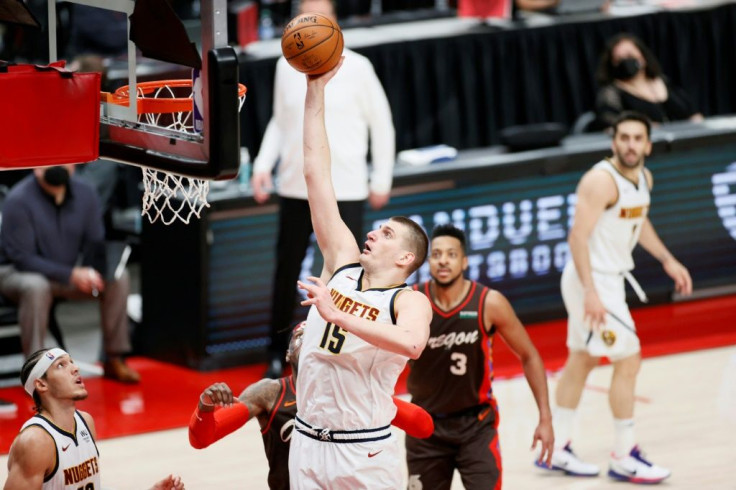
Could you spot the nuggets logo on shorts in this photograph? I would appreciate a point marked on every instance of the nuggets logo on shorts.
(609, 337)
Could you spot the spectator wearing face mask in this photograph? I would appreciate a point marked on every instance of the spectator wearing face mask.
(631, 80)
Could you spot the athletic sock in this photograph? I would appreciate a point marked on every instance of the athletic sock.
(625, 439)
(562, 423)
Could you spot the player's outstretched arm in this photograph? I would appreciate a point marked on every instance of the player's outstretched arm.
(32, 455)
(498, 311)
(219, 413)
(335, 241)
(407, 338)
(412, 419)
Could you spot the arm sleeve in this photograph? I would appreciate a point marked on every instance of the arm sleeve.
(208, 427)
(383, 135)
(269, 151)
(19, 243)
(412, 419)
(271, 143)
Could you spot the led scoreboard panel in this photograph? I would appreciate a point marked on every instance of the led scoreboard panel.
(516, 209)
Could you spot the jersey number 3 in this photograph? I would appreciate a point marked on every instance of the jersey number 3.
(333, 338)
(460, 365)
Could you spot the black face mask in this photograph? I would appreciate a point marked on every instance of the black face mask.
(626, 68)
(56, 176)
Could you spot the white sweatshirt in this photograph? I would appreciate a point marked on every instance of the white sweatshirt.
(355, 105)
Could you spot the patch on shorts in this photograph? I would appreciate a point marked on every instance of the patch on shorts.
(609, 337)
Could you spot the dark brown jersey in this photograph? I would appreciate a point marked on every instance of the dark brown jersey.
(455, 371)
(277, 435)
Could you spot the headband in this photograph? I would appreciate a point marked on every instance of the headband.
(42, 366)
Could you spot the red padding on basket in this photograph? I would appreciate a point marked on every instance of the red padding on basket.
(50, 116)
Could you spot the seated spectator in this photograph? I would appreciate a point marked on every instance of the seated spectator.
(631, 80)
(50, 219)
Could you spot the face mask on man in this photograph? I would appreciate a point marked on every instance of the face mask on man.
(626, 69)
(56, 176)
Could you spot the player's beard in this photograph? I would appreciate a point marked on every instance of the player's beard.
(449, 283)
(622, 160)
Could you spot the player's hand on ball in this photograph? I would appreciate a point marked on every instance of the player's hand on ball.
(326, 77)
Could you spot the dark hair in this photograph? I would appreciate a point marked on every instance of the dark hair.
(417, 241)
(604, 75)
(25, 372)
(451, 231)
(632, 116)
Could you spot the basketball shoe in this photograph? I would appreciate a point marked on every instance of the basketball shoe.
(635, 469)
(565, 460)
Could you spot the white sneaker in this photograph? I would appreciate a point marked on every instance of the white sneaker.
(563, 459)
(635, 469)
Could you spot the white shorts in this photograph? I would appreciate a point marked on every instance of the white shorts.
(344, 466)
(617, 339)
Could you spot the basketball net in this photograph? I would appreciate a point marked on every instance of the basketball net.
(172, 104)
(168, 197)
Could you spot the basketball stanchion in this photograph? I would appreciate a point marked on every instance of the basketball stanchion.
(169, 104)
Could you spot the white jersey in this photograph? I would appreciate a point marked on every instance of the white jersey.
(344, 382)
(77, 465)
(617, 231)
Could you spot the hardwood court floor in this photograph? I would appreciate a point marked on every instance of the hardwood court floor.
(685, 411)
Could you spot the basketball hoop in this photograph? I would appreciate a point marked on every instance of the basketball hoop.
(169, 104)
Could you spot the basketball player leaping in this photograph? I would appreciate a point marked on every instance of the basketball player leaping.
(610, 219)
(364, 325)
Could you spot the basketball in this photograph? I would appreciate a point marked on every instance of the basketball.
(312, 43)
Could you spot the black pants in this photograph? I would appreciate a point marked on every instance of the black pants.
(295, 228)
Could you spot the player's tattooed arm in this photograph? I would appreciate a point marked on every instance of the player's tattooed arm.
(209, 424)
(261, 397)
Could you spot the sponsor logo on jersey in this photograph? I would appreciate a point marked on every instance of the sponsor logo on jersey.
(355, 308)
(632, 213)
(80, 472)
(286, 430)
(66, 447)
(448, 341)
(290, 403)
(468, 314)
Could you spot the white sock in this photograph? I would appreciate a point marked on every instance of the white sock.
(625, 439)
(563, 420)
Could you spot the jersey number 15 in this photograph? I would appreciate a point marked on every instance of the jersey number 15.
(333, 338)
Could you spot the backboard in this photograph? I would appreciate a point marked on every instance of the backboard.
(156, 33)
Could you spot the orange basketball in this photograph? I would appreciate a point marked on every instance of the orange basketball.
(312, 43)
